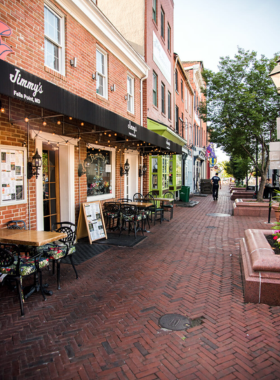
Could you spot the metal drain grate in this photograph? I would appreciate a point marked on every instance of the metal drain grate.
(210, 227)
(178, 322)
(218, 214)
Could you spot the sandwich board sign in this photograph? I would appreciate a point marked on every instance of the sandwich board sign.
(91, 222)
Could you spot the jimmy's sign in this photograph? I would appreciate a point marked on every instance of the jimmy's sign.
(5, 31)
(35, 88)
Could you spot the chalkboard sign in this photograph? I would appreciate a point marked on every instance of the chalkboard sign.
(91, 222)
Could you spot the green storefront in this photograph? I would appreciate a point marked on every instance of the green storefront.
(165, 170)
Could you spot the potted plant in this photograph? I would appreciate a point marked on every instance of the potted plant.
(276, 204)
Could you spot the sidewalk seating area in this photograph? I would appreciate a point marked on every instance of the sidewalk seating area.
(105, 324)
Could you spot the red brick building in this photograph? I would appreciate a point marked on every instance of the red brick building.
(72, 90)
(199, 132)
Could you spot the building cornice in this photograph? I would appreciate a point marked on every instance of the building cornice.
(96, 23)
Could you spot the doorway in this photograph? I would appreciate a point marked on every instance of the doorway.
(51, 203)
(131, 180)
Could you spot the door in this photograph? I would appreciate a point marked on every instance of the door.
(131, 180)
(51, 206)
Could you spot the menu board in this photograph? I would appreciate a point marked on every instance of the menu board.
(91, 222)
(12, 172)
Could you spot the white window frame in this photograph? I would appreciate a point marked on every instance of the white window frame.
(61, 46)
(155, 10)
(23, 175)
(130, 96)
(113, 168)
(105, 75)
(186, 98)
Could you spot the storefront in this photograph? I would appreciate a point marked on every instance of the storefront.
(83, 148)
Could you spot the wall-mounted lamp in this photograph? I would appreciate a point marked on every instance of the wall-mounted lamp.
(82, 169)
(2, 109)
(73, 62)
(113, 88)
(142, 170)
(34, 166)
(126, 169)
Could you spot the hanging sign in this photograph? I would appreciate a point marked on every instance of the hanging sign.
(91, 222)
(5, 31)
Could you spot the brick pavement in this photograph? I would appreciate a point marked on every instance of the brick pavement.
(105, 325)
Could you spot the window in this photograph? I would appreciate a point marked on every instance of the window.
(154, 89)
(186, 98)
(169, 105)
(13, 182)
(162, 98)
(186, 131)
(177, 120)
(99, 173)
(194, 101)
(162, 16)
(54, 40)
(191, 135)
(176, 80)
(101, 73)
(182, 121)
(155, 11)
(130, 94)
(182, 92)
(168, 37)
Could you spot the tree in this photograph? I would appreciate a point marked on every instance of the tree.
(238, 168)
(241, 108)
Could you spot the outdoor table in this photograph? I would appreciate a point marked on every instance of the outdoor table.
(139, 204)
(35, 239)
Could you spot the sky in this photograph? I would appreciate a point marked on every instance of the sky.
(206, 30)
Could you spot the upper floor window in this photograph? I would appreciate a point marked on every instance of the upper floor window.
(155, 78)
(101, 73)
(182, 91)
(176, 80)
(194, 101)
(155, 11)
(186, 98)
(177, 120)
(162, 16)
(169, 105)
(168, 37)
(54, 39)
(130, 94)
(163, 98)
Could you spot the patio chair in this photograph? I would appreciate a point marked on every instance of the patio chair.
(154, 209)
(169, 206)
(16, 225)
(64, 247)
(17, 267)
(124, 200)
(138, 197)
(131, 216)
(111, 213)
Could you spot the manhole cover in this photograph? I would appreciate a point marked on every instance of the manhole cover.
(211, 227)
(218, 214)
(178, 322)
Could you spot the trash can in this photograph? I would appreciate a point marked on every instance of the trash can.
(185, 194)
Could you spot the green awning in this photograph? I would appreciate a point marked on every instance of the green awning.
(165, 131)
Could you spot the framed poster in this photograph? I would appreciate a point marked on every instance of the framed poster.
(13, 175)
(91, 222)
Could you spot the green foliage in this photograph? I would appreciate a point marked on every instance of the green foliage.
(238, 167)
(242, 106)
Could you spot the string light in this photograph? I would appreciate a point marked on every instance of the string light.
(70, 118)
(44, 123)
(58, 122)
(82, 124)
(26, 119)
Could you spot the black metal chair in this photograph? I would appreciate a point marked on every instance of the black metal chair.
(111, 213)
(16, 225)
(131, 216)
(64, 247)
(124, 200)
(169, 206)
(138, 197)
(154, 209)
(16, 267)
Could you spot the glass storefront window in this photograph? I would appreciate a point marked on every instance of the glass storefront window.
(99, 172)
(171, 171)
(165, 172)
(178, 170)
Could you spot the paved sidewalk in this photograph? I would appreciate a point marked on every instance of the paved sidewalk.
(105, 325)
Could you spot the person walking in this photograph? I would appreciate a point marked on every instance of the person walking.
(215, 180)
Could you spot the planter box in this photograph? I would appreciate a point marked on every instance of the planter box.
(242, 194)
(250, 207)
(237, 188)
(260, 269)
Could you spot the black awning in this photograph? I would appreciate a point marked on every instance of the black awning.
(20, 84)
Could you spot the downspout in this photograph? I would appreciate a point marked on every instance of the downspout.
(141, 120)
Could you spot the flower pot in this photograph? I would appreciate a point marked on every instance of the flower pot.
(276, 209)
